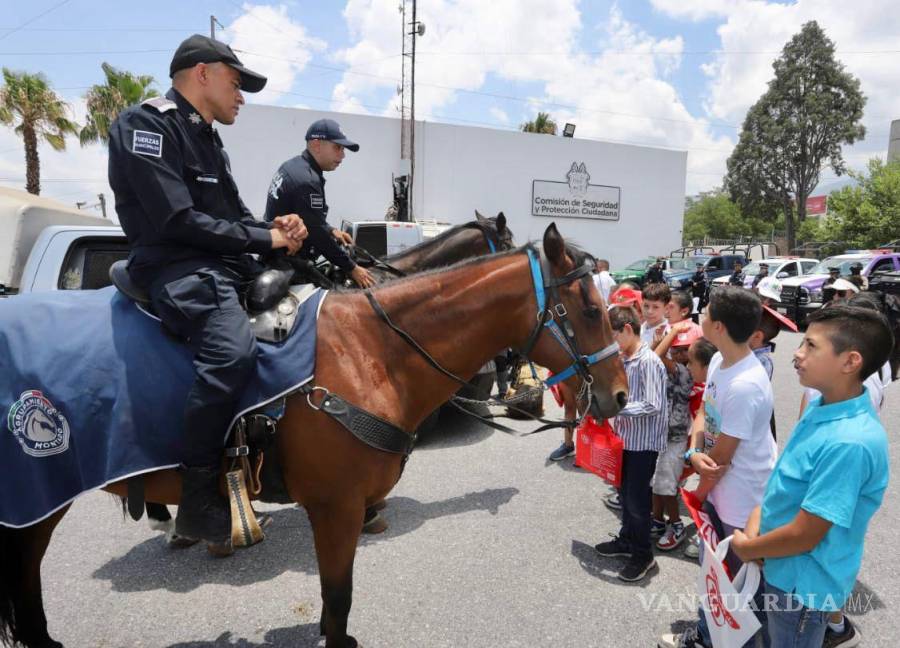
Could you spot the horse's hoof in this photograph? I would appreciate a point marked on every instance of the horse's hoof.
(220, 550)
(379, 506)
(375, 526)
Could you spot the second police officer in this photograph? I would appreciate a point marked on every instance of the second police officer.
(299, 187)
(191, 240)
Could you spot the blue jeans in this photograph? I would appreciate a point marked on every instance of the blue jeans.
(734, 563)
(791, 624)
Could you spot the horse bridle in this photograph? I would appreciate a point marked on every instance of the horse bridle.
(486, 231)
(562, 331)
(546, 318)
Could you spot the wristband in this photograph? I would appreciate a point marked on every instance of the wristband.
(690, 453)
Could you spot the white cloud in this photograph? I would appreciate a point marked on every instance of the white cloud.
(753, 32)
(281, 47)
(499, 115)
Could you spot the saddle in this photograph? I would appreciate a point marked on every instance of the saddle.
(272, 306)
(272, 303)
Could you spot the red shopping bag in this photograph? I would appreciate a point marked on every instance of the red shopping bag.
(599, 450)
(704, 524)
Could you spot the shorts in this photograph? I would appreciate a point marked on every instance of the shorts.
(669, 466)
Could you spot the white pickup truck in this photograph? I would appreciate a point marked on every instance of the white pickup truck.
(45, 245)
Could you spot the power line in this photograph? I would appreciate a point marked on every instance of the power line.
(647, 53)
(31, 20)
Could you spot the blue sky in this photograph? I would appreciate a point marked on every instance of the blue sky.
(670, 73)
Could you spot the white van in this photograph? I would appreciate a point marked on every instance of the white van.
(383, 238)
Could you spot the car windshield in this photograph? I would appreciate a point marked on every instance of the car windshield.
(682, 264)
(753, 268)
(640, 265)
(843, 264)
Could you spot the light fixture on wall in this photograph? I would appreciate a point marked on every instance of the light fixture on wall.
(569, 130)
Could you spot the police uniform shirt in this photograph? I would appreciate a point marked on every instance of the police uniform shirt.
(298, 187)
(175, 196)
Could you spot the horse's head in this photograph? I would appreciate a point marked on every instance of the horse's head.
(496, 230)
(582, 328)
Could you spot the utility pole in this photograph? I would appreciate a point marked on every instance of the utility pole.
(102, 199)
(411, 30)
(212, 26)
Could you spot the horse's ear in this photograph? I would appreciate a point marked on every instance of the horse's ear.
(501, 222)
(554, 245)
(479, 216)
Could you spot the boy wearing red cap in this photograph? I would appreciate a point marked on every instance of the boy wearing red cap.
(673, 351)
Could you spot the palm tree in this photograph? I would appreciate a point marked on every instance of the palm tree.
(104, 102)
(41, 115)
(541, 124)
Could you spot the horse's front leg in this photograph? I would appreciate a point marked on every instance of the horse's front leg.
(336, 527)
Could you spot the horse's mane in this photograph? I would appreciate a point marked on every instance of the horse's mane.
(577, 254)
(490, 223)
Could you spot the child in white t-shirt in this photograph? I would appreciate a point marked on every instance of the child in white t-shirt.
(656, 298)
(732, 448)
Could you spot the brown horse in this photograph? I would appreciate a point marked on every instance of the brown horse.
(479, 237)
(461, 316)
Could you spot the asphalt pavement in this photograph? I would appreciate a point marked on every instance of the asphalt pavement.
(489, 545)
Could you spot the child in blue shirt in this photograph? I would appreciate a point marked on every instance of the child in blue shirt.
(827, 484)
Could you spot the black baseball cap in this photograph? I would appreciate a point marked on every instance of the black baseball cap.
(203, 49)
(328, 129)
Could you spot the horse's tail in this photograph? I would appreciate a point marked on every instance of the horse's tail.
(9, 578)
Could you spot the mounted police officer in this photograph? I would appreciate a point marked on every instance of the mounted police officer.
(191, 241)
(299, 187)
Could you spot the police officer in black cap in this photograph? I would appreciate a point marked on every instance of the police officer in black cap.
(191, 241)
(299, 187)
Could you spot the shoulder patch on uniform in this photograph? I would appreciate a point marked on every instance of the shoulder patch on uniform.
(147, 143)
(275, 187)
(161, 104)
(316, 201)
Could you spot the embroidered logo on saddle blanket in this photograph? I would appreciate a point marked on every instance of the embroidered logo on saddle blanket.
(93, 391)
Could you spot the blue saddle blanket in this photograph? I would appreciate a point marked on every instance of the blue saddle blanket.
(92, 391)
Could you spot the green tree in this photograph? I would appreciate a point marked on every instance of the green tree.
(714, 214)
(543, 123)
(866, 215)
(37, 113)
(105, 101)
(811, 108)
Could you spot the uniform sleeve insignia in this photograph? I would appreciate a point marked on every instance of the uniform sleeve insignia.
(147, 143)
(161, 104)
(316, 201)
(275, 187)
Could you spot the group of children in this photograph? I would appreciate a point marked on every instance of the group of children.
(700, 399)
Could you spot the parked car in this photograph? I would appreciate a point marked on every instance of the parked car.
(802, 295)
(717, 265)
(779, 268)
(636, 273)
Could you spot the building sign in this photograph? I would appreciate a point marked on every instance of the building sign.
(576, 197)
(816, 205)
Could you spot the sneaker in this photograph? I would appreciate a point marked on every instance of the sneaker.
(687, 639)
(657, 529)
(849, 637)
(673, 537)
(693, 548)
(615, 548)
(612, 501)
(562, 452)
(636, 569)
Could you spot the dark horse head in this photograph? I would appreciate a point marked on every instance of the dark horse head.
(479, 237)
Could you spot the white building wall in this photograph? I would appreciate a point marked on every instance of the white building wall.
(460, 169)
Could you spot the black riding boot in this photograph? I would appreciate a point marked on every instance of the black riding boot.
(203, 513)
